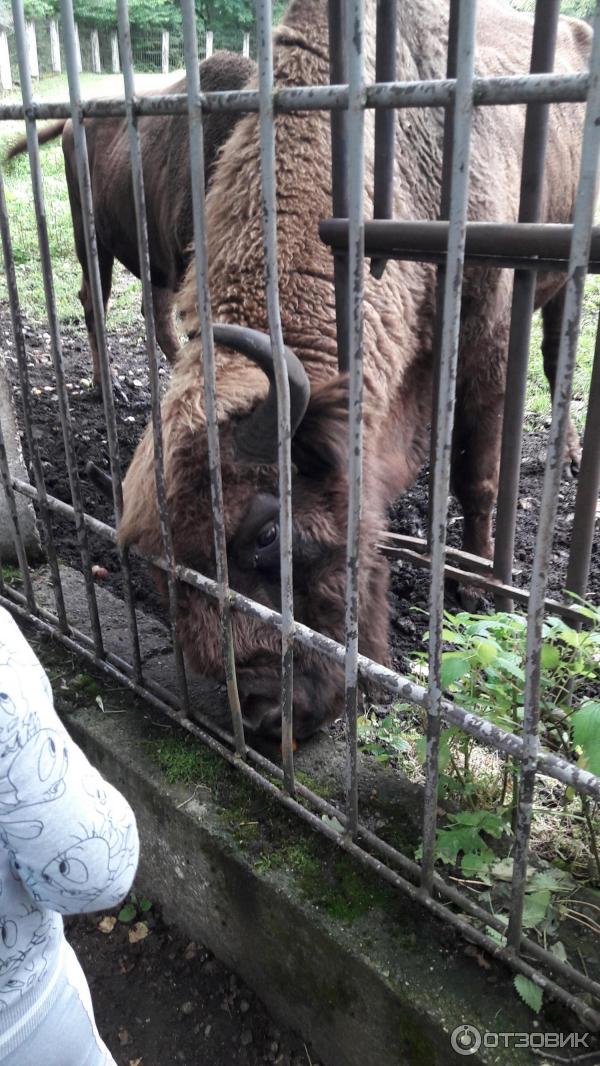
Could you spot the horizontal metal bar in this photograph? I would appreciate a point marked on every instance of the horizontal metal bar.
(325, 828)
(402, 688)
(537, 246)
(517, 89)
(481, 581)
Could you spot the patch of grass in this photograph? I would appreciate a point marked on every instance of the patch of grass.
(184, 761)
(125, 303)
(11, 575)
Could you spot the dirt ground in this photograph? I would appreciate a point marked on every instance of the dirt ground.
(166, 1001)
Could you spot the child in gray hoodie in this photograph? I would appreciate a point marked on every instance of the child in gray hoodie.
(68, 844)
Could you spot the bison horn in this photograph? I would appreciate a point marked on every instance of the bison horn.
(256, 436)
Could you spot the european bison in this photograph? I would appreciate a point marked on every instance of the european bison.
(165, 154)
(398, 329)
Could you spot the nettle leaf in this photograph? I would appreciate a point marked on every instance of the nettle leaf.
(558, 949)
(553, 880)
(586, 734)
(486, 651)
(550, 657)
(477, 864)
(454, 666)
(535, 908)
(530, 993)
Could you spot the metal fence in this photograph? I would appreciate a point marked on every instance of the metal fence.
(526, 246)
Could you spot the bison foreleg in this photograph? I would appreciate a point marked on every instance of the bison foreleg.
(166, 334)
(552, 314)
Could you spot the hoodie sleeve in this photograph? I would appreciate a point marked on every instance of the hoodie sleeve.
(71, 837)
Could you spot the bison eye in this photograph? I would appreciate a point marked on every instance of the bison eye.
(268, 535)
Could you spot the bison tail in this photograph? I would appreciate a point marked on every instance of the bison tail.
(48, 133)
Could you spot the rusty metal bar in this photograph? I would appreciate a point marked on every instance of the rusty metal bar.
(26, 406)
(355, 283)
(91, 249)
(530, 207)
(487, 92)
(338, 72)
(465, 575)
(440, 279)
(396, 685)
(53, 324)
(588, 487)
(459, 189)
(208, 364)
(144, 261)
(530, 246)
(385, 121)
(264, 22)
(582, 224)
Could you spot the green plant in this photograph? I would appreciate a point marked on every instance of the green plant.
(136, 907)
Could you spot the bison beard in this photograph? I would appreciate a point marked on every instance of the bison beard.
(397, 355)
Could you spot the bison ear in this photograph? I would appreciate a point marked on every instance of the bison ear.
(320, 444)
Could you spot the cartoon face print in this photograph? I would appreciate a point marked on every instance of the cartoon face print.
(81, 871)
(18, 935)
(36, 774)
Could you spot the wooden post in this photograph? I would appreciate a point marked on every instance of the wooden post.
(95, 48)
(54, 47)
(78, 48)
(114, 52)
(5, 71)
(246, 46)
(209, 44)
(165, 51)
(34, 67)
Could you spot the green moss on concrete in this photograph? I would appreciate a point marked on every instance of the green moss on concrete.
(185, 761)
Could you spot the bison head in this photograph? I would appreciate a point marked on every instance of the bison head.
(247, 414)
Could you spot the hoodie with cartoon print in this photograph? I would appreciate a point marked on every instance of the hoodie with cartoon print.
(68, 839)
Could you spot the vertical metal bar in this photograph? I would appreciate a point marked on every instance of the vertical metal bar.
(13, 518)
(580, 248)
(264, 33)
(91, 248)
(144, 260)
(53, 326)
(588, 486)
(530, 206)
(440, 279)
(355, 30)
(459, 191)
(208, 362)
(385, 121)
(36, 462)
(338, 68)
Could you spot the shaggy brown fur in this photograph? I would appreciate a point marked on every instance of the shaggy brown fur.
(165, 153)
(399, 314)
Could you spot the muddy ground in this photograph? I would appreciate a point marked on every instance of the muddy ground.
(409, 585)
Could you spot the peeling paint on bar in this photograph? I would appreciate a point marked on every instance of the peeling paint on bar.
(444, 416)
(580, 246)
(208, 366)
(144, 261)
(91, 248)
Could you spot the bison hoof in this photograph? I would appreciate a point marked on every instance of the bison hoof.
(471, 599)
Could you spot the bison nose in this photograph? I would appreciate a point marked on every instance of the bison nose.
(261, 715)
